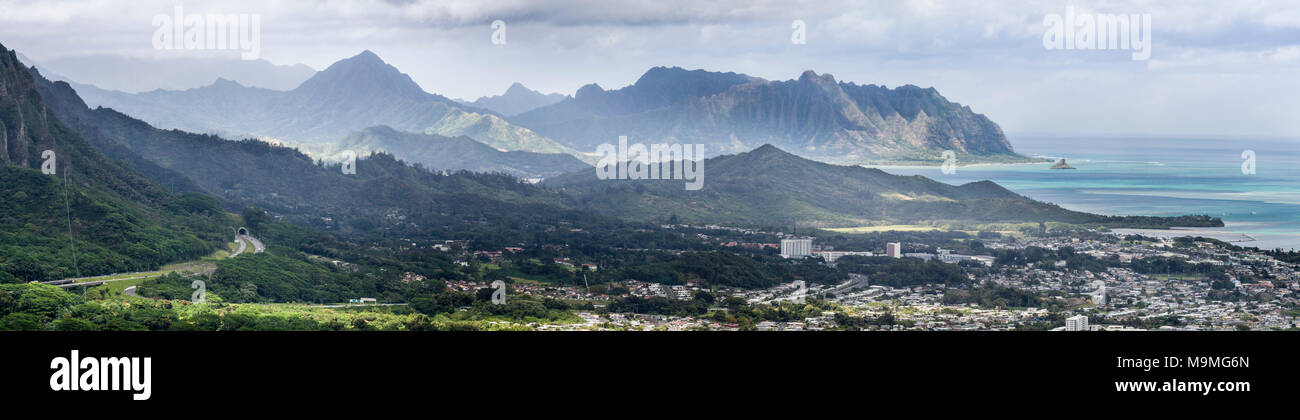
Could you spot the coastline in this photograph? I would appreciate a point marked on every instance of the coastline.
(1183, 231)
(900, 165)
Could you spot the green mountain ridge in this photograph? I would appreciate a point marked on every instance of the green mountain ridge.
(386, 196)
(769, 186)
(384, 193)
(94, 215)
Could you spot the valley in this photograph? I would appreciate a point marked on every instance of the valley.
(429, 240)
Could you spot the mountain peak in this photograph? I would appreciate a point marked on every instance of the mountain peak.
(588, 90)
(768, 149)
(516, 100)
(367, 55)
(811, 76)
(519, 88)
(768, 152)
(658, 73)
(224, 82)
(698, 82)
(365, 60)
(364, 74)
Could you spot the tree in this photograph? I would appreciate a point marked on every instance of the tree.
(20, 322)
(73, 324)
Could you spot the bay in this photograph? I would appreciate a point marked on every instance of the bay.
(1159, 176)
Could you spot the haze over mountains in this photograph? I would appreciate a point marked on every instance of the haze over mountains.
(516, 100)
(351, 95)
(769, 186)
(448, 153)
(140, 196)
(288, 183)
(111, 72)
(814, 116)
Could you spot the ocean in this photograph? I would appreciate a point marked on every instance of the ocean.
(1159, 177)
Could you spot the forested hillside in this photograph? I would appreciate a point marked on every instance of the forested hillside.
(93, 215)
(768, 186)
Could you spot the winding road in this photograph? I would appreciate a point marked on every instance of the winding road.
(243, 241)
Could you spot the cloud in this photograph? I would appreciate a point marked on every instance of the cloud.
(987, 54)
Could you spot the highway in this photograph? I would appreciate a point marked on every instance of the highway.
(97, 282)
(242, 246)
(243, 241)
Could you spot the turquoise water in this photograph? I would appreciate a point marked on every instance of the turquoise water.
(1159, 177)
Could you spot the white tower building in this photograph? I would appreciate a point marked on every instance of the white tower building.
(796, 248)
(1076, 323)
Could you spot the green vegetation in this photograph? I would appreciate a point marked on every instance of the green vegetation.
(32, 307)
(768, 186)
(399, 233)
(993, 297)
(904, 272)
(114, 217)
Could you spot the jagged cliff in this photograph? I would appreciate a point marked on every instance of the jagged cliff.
(813, 116)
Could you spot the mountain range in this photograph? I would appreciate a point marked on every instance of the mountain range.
(516, 100)
(447, 153)
(771, 187)
(350, 95)
(814, 116)
(118, 73)
(766, 186)
(129, 196)
(383, 191)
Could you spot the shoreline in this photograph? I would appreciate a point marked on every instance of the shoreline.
(1186, 231)
(940, 165)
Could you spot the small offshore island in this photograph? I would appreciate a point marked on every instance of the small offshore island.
(1060, 164)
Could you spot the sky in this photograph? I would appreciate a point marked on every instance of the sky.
(1216, 68)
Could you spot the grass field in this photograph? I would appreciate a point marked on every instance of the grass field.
(885, 228)
(1009, 229)
(115, 284)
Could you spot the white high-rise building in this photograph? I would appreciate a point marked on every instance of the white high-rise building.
(1076, 323)
(894, 250)
(796, 248)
